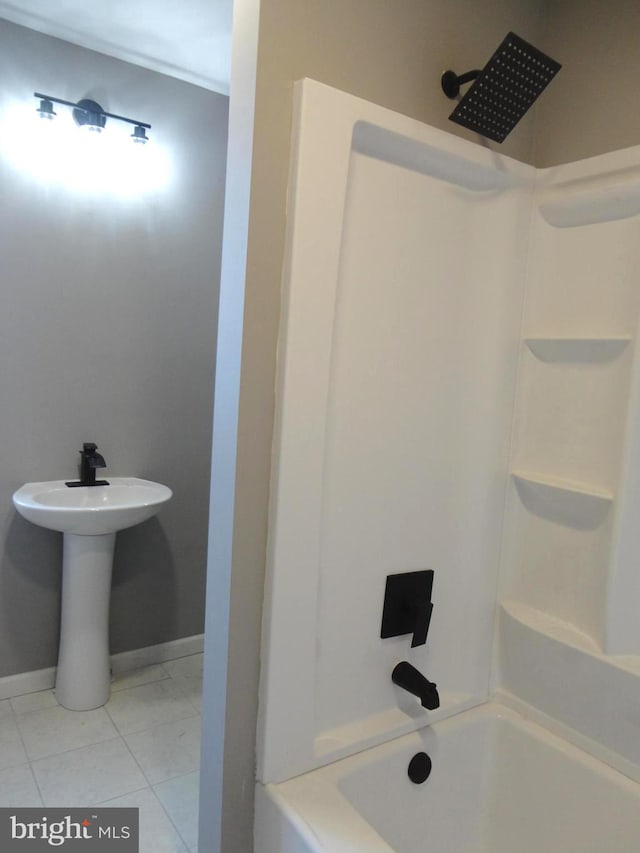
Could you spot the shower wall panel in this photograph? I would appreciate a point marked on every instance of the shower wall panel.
(571, 539)
(402, 306)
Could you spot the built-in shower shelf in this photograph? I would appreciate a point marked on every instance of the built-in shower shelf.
(551, 626)
(569, 487)
(567, 502)
(569, 207)
(584, 350)
(567, 634)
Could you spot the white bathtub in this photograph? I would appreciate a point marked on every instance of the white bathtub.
(499, 784)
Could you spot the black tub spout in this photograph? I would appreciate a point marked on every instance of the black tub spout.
(413, 681)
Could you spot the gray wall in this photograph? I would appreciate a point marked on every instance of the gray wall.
(393, 54)
(108, 311)
(591, 108)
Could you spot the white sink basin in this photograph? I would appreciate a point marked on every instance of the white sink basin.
(91, 510)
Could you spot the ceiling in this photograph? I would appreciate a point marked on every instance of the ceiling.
(188, 39)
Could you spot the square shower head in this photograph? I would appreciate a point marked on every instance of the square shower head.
(504, 90)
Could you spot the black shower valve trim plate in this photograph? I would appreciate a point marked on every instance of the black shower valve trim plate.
(407, 606)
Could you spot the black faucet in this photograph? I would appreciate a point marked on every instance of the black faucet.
(409, 678)
(90, 460)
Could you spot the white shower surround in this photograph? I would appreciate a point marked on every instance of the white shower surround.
(399, 484)
(399, 434)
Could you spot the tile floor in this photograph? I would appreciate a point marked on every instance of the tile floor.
(141, 749)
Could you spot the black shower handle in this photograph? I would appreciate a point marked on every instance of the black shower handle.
(422, 610)
(407, 606)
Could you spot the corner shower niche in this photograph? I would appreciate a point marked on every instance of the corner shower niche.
(571, 428)
(458, 390)
(568, 637)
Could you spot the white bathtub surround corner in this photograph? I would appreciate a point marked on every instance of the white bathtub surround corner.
(568, 636)
(458, 390)
(567, 552)
(592, 698)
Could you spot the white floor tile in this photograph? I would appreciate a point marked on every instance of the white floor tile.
(5, 708)
(180, 798)
(136, 677)
(89, 775)
(18, 788)
(151, 704)
(77, 758)
(55, 730)
(157, 833)
(33, 701)
(11, 749)
(191, 687)
(190, 665)
(171, 749)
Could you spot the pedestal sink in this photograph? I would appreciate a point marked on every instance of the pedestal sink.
(89, 517)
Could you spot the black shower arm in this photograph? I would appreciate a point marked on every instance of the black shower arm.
(451, 81)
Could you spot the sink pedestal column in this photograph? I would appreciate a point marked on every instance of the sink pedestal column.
(83, 678)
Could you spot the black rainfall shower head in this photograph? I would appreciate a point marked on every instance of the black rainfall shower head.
(503, 91)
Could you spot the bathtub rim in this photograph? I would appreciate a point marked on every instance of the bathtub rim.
(303, 800)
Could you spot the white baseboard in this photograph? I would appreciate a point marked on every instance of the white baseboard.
(27, 682)
(44, 679)
(137, 658)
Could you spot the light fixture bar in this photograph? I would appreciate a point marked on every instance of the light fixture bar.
(77, 106)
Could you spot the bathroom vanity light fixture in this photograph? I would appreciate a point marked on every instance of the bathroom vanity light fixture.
(90, 115)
